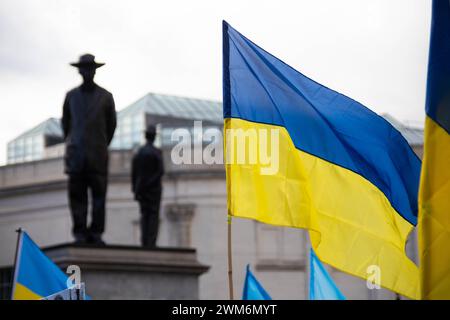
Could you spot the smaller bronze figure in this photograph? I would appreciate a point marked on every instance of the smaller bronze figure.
(146, 173)
(88, 121)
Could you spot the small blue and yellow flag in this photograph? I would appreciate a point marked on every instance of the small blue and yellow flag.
(434, 196)
(299, 154)
(35, 275)
(321, 285)
(253, 290)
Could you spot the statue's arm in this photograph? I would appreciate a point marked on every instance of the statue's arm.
(111, 119)
(65, 121)
(156, 163)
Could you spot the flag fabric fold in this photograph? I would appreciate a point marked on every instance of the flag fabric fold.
(35, 275)
(253, 290)
(434, 196)
(339, 170)
(321, 285)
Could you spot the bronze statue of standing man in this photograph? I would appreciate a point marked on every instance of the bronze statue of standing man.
(147, 170)
(89, 121)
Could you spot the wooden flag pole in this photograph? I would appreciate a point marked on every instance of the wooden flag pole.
(16, 257)
(230, 261)
(308, 264)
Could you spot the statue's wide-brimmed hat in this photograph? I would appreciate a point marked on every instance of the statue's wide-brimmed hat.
(87, 60)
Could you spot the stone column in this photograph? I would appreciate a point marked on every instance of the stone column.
(180, 219)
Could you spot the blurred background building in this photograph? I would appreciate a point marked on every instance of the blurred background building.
(193, 211)
(36, 143)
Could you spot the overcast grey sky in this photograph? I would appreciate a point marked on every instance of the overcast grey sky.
(374, 51)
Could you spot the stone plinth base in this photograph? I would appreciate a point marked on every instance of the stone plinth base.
(129, 272)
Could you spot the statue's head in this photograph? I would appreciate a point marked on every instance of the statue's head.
(86, 67)
(87, 73)
(150, 133)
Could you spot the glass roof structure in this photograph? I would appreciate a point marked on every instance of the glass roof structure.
(30, 145)
(176, 107)
(50, 127)
(166, 112)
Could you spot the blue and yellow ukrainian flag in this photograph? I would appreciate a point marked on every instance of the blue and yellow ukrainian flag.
(321, 285)
(343, 172)
(434, 197)
(253, 290)
(35, 275)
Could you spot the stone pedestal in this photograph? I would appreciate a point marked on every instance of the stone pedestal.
(129, 272)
